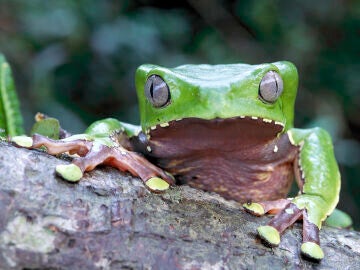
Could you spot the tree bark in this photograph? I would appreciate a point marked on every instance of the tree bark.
(110, 221)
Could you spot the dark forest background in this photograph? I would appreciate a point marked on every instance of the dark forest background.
(75, 60)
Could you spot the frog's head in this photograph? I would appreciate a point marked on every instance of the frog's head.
(263, 92)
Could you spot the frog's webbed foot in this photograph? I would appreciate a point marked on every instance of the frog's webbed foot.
(287, 214)
(93, 153)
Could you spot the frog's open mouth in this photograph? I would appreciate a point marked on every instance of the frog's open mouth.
(232, 156)
(195, 134)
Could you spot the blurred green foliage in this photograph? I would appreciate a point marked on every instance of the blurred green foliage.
(75, 60)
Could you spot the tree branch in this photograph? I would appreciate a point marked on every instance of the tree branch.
(110, 221)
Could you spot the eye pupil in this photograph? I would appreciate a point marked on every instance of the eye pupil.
(271, 87)
(157, 91)
(152, 89)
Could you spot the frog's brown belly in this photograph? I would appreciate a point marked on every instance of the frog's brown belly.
(242, 159)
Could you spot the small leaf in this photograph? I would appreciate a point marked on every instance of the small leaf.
(49, 127)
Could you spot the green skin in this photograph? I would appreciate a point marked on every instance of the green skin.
(222, 92)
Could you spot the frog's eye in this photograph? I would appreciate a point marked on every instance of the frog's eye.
(157, 91)
(271, 87)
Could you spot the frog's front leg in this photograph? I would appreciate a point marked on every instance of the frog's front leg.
(318, 177)
(94, 151)
(124, 160)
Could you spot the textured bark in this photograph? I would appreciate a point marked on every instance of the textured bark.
(110, 221)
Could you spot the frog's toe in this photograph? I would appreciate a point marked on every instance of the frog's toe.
(269, 234)
(312, 251)
(22, 141)
(310, 247)
(263, 207)
(157, 184)
(254, 208)
(69, 172)
(285, 218)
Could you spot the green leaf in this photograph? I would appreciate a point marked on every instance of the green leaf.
(49, 127)
(11, 122)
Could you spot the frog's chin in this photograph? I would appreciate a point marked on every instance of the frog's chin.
(218, 134)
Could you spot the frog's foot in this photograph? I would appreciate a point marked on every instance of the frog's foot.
(288, 215)
(153, 177)
(269, 207)
(53, 147)
(92, 154)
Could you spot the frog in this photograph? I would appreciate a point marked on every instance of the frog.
(227, 129)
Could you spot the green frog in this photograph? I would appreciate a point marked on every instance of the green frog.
(221, 128)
